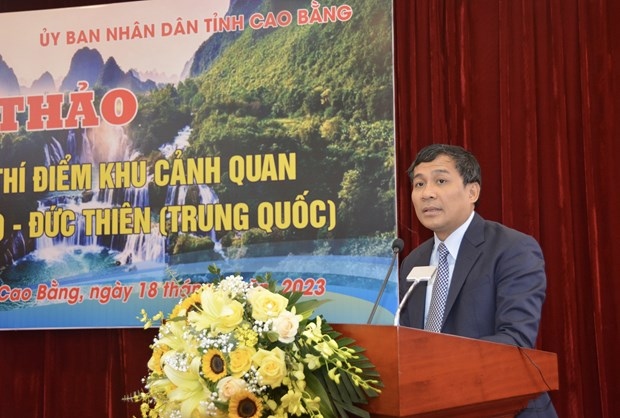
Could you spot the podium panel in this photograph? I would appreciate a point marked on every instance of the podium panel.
(426, 374)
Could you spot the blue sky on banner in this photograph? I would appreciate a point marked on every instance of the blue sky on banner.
(122, 31)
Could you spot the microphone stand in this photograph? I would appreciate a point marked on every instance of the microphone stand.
(409, 291)
(397, 246)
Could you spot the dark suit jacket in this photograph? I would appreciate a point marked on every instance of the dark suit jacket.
(497, 290)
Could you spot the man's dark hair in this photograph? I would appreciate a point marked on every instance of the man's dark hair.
(465, 162)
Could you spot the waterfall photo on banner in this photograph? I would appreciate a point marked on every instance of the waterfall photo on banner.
(141, 142)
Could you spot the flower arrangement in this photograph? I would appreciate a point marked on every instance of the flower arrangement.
(244, 350)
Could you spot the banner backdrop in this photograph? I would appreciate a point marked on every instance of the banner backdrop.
(142, 142)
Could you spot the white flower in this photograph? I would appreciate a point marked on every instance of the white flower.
(286, 325)
(228, 386)
(233, 285)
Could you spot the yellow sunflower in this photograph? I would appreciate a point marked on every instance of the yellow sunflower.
(186, 305)
(244, 404)
(154, 362)
(214, 365)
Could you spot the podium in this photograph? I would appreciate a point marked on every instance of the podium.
(426, 374)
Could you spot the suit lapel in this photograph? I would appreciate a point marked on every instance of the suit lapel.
(469, 252)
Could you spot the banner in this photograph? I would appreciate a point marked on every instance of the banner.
(142, 142)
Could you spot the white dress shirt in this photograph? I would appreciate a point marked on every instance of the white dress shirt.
(453, 242)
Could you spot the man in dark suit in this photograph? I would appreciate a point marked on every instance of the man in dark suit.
(494, 276)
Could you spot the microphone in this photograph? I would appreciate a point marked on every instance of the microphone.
(416, 275)
(397, 246)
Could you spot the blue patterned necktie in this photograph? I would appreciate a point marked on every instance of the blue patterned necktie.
(440, 292)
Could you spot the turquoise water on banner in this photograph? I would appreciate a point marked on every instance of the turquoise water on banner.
(351, 285)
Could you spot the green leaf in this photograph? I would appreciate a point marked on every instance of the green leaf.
(344, 396)
(343, 341)
(355, 392)
(315, 386)
(306, 308)
(272, 336)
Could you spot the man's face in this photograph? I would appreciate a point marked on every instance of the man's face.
(441, 201)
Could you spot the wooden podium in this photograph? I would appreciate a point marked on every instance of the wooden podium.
(426, 374)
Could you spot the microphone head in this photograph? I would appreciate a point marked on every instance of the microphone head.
(398, 245)
(421, 273)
